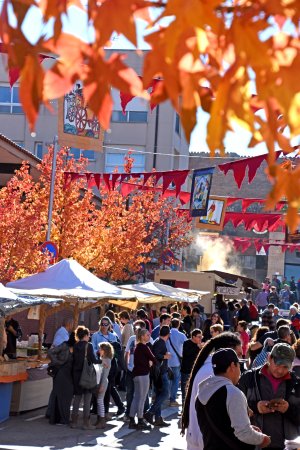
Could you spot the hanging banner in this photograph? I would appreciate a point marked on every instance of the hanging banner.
(78, 126)
(201, 184)
(214, 219)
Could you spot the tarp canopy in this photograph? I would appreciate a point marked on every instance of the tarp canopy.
(6, 294)
(163, 290)
(10, 302)
(231, 279)
(65, 279)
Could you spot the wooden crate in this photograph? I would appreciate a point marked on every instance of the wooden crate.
(8, 368)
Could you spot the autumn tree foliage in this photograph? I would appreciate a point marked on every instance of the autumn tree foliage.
(107, 233)
(20, 227)
(229, 58)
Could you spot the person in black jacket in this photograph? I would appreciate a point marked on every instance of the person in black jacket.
(273, 394)
(187, 322)
(162, 355)
(244, 312)
(60, 368)
(82, 347)
(190, 351)
(13, 332)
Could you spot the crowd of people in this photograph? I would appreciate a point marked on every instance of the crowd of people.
(136, 353)
(237, 372)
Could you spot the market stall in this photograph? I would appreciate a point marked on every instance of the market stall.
(65, 285)
(156, 294)
(15, 375)
(79, 289)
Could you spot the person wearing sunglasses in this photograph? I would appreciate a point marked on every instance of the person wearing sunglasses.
(106, 335)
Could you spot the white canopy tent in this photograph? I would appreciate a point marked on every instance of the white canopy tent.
(67, 278)
(6, 293)
(163, 290)
(69, 281)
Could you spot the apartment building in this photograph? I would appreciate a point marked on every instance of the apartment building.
(156, 138)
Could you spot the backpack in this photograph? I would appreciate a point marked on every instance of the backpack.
(117, 363)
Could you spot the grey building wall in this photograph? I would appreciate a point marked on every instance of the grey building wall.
(172, 147)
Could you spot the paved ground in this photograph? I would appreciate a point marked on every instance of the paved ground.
(31, 431)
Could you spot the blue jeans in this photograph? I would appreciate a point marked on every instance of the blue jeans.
(160, 396)
(184, 379)
(174, 384)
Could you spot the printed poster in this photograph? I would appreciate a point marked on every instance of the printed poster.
(78, 127)
(214, 219)
(201, 184)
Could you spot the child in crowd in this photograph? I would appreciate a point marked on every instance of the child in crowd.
(106, 355)
(242, 329)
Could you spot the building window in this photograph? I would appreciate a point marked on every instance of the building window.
(138, 116)
(130, 116)
(117, 160)
(9, 100)
(177, 123)
(118, 116)
(247, 261)
(77, 153)
(38, 149)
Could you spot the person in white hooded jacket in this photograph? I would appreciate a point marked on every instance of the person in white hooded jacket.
(222, 409)
(202, 369)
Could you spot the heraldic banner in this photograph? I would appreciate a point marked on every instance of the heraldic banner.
(201, 184)
(78, 127)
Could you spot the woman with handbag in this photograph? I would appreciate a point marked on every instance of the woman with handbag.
(83, 350)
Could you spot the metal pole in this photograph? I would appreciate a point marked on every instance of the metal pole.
(155, 137)
(52, 185)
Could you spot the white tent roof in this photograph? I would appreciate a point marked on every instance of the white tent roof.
(6, 293)
(184, 295)
(67, 278)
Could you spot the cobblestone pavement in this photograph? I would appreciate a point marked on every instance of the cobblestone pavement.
(31, 431)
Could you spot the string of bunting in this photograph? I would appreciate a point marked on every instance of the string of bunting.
(246, 202)
(178, 177)
(258, 222)
(242, 244)
(14, 72)
(239, 167)
(128, 188)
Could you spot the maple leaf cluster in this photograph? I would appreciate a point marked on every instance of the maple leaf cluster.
(212, 55)
(112, 235)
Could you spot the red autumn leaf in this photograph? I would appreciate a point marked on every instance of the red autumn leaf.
(98, 78)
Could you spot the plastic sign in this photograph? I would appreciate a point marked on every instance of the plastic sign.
(51, 249)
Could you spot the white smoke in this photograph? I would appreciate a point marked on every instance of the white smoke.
(217, 254)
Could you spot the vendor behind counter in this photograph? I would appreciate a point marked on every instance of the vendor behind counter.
(13, 332)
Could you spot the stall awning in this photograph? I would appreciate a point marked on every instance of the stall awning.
(66, 279)
(163, 290)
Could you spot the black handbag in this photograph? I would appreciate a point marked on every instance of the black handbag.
(88, 378)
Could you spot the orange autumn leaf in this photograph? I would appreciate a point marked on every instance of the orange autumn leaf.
(100, 75)
(234, 49)
(286, 185)
(116, 16)
(68, 67)
(31, 88)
